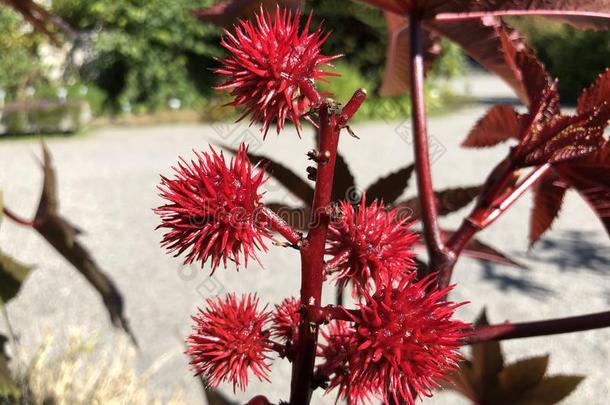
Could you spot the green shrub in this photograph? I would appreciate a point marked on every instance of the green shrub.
(43, 117)
(145, 52)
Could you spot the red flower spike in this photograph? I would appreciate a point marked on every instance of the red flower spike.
(213, 209)
(379, 243)
(286, 320)
(405, 340)
(228, 340)
(268, 58)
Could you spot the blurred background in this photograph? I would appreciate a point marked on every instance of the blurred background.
(130, 89)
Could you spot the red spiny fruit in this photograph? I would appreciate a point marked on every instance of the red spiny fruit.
(339, 347)
(379, 243)
(268, 58)
(229, 339)
(405, 340)
(213, 209)
(286, 320)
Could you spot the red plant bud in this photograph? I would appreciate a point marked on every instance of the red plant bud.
(212, 211)
(380, 245)
(268, 58)
(228, 340)
(286, 320)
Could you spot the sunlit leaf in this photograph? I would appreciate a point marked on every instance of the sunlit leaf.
(499, 124)
(597, 94)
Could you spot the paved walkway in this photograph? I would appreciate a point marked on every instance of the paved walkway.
(107, 183)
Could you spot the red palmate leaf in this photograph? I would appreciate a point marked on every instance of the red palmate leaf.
(566, 137)
(447, 201)
(591, 178)
(595, 95)
(226, 12)
(548, 198)
(481, 251)
(499, 124)
(480, 40)
(397, 71)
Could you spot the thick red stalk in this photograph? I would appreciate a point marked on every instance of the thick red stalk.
(487, 211)
(539, 328)
(312, 259)
(432, 235)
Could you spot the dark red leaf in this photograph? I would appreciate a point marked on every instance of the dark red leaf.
(591, 178)
(397, 70)
(448, 201)
(480, 39)
(63, 237)
(295, 184)
(499, 124)
(548, 198)
(487, 359)
(523, 375)
(552, 390)
(596, 95)
(481, 251)
(343, 183)
(390, 187)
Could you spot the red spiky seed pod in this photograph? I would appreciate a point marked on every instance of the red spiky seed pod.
(286, 320)
(379, 243)
(406, 340)
(213, 209)
(229, 339)
(268, 58)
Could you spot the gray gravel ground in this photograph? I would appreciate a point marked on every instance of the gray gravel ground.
(107, 183)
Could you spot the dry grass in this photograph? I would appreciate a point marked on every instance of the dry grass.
(78, 370)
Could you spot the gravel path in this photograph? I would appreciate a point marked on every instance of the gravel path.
(107, 183)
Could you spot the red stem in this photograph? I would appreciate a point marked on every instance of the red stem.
(484, 215)
(312, 260)
(282, 227)
(432, 235)
(10, 214)
(539, 328)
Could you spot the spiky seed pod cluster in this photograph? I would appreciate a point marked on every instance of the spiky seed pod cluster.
(212, 212)
(404, 339)
(267, 60)
(229, 340)
(379, 243)
(286, 320)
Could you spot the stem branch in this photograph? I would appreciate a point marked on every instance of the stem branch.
(539, 328)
